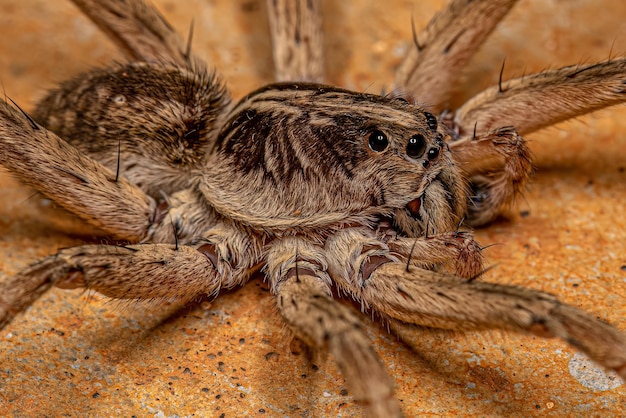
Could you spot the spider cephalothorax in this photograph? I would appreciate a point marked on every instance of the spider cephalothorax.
(331, 157)
(321, 190)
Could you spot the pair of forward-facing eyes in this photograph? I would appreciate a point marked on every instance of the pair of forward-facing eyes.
(415, 147)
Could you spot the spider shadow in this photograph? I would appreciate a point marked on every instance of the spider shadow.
(147, 327)
(434, 356)
(143, 323)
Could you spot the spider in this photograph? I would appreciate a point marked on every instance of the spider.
(420, 217)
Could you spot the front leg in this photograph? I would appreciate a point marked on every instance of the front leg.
(355, 253)
(431, 299)
(297, 272)
(536, 101)
(222, 259)
(410, 295)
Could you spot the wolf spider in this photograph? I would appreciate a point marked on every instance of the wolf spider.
(321, 190)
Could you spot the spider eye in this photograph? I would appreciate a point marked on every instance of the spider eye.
(378, 141)
(416, 146)
(433, 153)
(431, 120)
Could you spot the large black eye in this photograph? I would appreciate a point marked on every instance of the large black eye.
(416, 146)
(378, 141)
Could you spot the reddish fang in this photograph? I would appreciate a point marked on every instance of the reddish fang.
(414, 207)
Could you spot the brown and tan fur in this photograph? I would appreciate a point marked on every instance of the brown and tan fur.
(318, 188)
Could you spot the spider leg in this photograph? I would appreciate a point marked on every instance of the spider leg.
(146, 271)
(457, 249)
(76, 182)
(497, 165)
(536, 101)
(93, 192)
(139, 30)
(431, 299)
(296, 28)
(373, 276)
(354, 254)
(302, 288)
(449, 41)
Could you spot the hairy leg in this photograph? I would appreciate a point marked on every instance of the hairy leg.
(354, 253)
(150, 271)
(302, 287)
(222, 258)
(539, 100)
(139, 30)
(43, 160)
(407, 294)
(456, 251)
(449, 41)
(95, 193)
(296, 28)
(435, 300)
(497, 165)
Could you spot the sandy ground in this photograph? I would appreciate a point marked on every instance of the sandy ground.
(75, 354)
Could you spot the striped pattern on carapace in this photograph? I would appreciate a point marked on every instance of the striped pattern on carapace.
(306, 146)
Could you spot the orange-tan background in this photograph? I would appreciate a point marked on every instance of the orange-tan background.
(76, 354)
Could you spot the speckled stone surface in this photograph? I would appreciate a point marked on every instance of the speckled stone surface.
(79, 354)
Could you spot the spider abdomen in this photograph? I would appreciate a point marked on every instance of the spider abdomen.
(155, 121)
